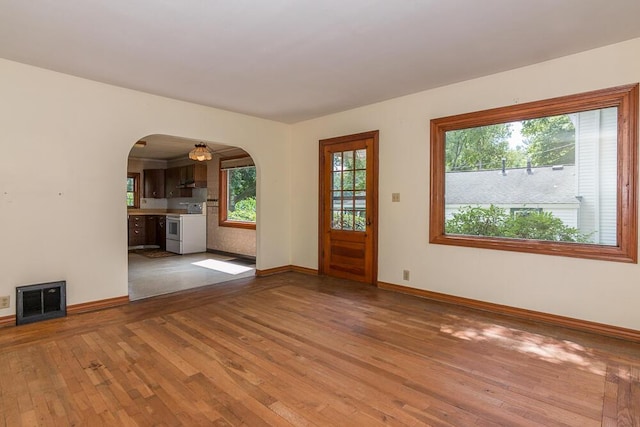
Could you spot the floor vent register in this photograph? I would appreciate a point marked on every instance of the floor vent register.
(42, 301)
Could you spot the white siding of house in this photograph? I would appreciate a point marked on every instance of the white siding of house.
(608, 175)
(586, 171)
(569, 216)
(596, 173)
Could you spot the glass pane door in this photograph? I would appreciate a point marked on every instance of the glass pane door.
(349, 183)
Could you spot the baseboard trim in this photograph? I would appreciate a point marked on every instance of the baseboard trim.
(231, 254)
(84, 307)
(304, 270)
(286, 269)
(7, 320)
(98, 305)
(521, 313)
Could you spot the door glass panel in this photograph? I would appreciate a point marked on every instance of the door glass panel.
(359, 220)
(337, 200)
(347, 220)
(347, 180)
(347, 159)
(336, 220)
(361, 180)
(349, 206)
(337, 161)
(361, 159)
(337, 180)
(347, 203)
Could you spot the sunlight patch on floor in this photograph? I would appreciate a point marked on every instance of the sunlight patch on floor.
(542, 347)
(224, 267)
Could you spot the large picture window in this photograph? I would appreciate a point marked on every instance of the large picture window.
(552, 177)
(237, 193)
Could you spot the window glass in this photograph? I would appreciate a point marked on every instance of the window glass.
(132, 190)
(547, 178)
(241, 194)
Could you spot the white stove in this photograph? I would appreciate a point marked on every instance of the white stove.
(187, 233)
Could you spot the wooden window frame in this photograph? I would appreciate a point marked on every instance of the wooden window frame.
(223, 221)
(625, 98)
(136, 189)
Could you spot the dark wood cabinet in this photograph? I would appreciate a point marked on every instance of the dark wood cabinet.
(137, 228)
(147, 230)
(172, 181)
(154, 183)
(161, 233)
(199, 175)
(180, 181)
(150, 231)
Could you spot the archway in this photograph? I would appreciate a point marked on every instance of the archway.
(170, 188)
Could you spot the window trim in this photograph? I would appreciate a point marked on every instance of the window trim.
(223, 221)
(136, 189)
(625, 98)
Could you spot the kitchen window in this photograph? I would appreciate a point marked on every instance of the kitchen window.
(237, 192)
(555, 177)
(133, 190)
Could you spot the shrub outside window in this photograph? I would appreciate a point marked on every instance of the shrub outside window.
(552, 177)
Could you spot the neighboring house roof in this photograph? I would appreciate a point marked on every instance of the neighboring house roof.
(544, 185)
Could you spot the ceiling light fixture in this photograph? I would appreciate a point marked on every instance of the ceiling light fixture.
(200, 153)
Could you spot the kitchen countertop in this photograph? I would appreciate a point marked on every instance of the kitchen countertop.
(155, 211)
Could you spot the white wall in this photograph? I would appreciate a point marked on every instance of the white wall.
(607, 292)
(63, 158)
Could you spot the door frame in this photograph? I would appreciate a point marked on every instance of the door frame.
(373, 229)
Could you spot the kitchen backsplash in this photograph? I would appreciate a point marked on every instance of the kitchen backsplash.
(198, 195)
(153, 203)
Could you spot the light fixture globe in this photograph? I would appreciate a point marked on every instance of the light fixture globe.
(200, 153)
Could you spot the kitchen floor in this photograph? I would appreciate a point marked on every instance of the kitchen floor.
(157, 276)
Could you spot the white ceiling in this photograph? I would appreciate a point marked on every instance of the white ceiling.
(291, 60)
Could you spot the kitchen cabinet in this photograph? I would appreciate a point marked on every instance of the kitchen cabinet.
(154, 183)
(150, 232)
(137, 228)
(194, 176)
(147, 230)
(180, 181)
(171, 181)
(200, 175)
(161, 233)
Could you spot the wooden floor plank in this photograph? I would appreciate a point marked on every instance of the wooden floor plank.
(297, 350)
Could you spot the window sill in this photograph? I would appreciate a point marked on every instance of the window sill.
(238, 224)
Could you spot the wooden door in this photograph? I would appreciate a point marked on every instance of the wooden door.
(349, 207)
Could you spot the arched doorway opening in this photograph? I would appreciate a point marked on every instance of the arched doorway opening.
(189, 222)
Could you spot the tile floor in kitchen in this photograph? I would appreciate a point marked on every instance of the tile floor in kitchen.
(157, 276)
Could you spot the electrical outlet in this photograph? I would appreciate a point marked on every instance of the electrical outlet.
(4, 301)
(395, 197)
(405, 274)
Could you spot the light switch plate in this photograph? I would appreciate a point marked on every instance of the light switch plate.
(4, 301)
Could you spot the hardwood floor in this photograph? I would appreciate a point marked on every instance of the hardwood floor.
(301, 350)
